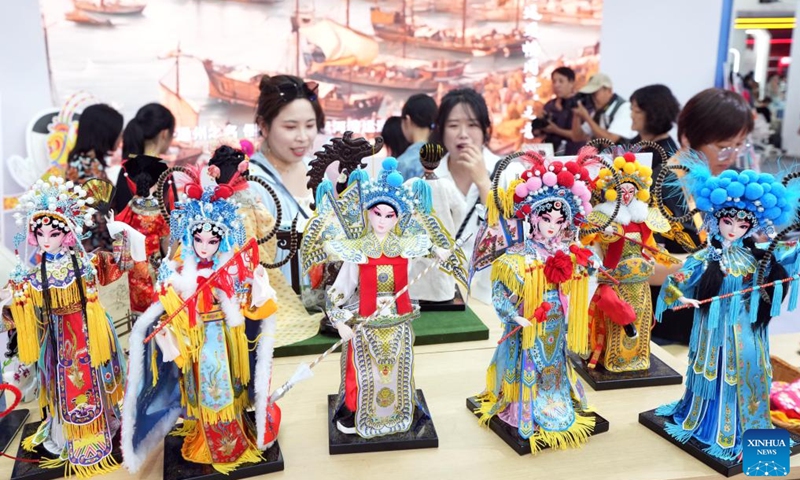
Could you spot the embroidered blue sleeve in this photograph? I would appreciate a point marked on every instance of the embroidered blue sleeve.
(501, 299)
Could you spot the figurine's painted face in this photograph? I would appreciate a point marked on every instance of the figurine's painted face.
(206, 244)
(382, 217)
(628, 193)
(49, 239)
(732, 229)
(550, 224)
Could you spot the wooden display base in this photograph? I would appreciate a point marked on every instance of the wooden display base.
(178, 468)
(422, 434)
(599, 378)
(31, 471)
(695, 448)
(510, 435)
(457, 304)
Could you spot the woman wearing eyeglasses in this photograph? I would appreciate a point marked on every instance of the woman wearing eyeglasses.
(715, 123)
(289, 117)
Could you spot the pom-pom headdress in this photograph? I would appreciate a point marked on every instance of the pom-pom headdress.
(630, 171)
(64, 204)
(757, 197)
(388, 188)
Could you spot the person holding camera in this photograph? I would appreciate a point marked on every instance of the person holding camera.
(558, 117)
(612, 114)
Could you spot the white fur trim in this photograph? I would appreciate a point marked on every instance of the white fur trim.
(263, 376)
(134, 458)
(635, 212)
(231, 309)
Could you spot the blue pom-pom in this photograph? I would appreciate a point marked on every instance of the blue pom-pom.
(769, 200)
(753, 191)
(718, 196)
(739, 204)
(394, 179)
(703, 203)
(766, 178)
(735, 189)
(778, 189)
(772, 213)
(744, 178)
(705, 192)
(783, 219)
(712, 183)
(724, 182)
(389, 163)
(767, 187)
(729, 174)
(782, 202)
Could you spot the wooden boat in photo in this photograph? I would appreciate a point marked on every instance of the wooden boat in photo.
(110, 7)
(345, 56)
(392, 26)
(239, 85)
(571, 12)
(82, 18)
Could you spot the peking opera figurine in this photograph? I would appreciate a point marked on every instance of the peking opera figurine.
(540, 293)
(729, 375)
(375, 227)
(621, 311)
(62, 326)
(197, 366)
(143, 215)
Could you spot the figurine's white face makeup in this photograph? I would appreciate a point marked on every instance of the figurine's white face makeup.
(732, 229)
(628, 193)
(550, 224)
(49, 239)
(382, 217)
(205, 244)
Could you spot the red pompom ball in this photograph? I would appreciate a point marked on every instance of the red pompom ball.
(526, 175)
(629, 157)
(566, 179)
(573, 167)
(557, 167)
(584, 174)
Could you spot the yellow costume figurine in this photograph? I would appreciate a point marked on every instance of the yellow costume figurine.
(198, 364)
(62, 326)
(540, 293)
(621, 311)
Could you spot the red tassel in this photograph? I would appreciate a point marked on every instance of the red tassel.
(582, 255)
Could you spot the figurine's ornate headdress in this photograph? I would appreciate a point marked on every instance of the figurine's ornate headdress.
(63, 204)
(210, 210)
(141, 173)
(388, 188)
(630, 171)
(759, 198)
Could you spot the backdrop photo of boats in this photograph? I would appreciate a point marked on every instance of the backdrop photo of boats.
(368, 56)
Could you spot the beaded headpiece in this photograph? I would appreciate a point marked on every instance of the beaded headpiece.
(205, 210)
(561, 184)
(759, 198)
(388, 188)
(630, 171)
(65, 205)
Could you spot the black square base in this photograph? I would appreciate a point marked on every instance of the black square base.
(31, 471)
(178, 468)
(694, 448)
(510, 435)
(457, 304)
(422, 434)
(10, 425)
(599, 378)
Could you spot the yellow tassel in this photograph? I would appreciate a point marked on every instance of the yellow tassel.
(510, 391)
(224, 414)
(27, 325)
(492, 213)
(27, 443)
(578, 330)
(153, 366)
(190, 339)
(491, 378)
(106, 465)
(101, 336)
(508, 199)
(54, 463)
(238, 350)
(576, 435)
(184, 429)
(251, 455)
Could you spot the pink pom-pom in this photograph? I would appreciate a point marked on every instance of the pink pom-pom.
(549, 179)
(521, 190)
(587, 207)
(69, 240)
(247, 147)
(534, 183)
(243, 166)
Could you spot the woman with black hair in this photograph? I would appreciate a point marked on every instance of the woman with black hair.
(463, 128)
(654, 110)
(418, 120)
(148, 133)
(393, 138)
(99, 129)
(729, 375)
